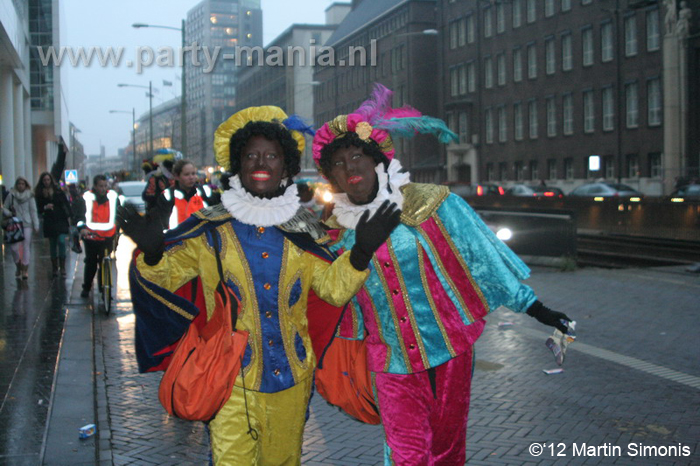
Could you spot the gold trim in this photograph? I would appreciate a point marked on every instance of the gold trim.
(169, 304)
(421, 201)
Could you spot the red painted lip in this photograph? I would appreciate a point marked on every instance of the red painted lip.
(354, 179)
(260, 175)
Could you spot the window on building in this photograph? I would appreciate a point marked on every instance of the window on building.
(565, 5)
(653, 34)
(517, 13)
(500, 18)
(609, 166)
(453, 35)
(567, 58)
(517, 65)
(462, 32)
(632, 166)
(606, 42)
(471, 35)
(569, 168)
(630, 36)
(654, 102)
(552, 169)
(488, 72)
(462, 79)
(490, 172)
(471, 77)
(463, 128)
(531, 11)
(588, 112)
(501, 69)
(488, 123)
(586, 2)
(632, 105)
(548, 8)
(451, 122)
(532, 113)
(503, 171)
(550, 56)
(518, 169)
(587, 46)
(488, 22)
(655, 165)
(454, 82)
(568, 111)
(534, 170)
(531, 61)
(518, 121)
(551, 117)
(502, 125)
(608, 109)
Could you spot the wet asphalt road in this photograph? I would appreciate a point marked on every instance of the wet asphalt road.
(31, 322)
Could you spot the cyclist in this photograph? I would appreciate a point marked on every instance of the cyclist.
(97, 227)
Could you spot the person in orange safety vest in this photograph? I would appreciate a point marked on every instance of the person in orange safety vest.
(186, 197)
(97, 227)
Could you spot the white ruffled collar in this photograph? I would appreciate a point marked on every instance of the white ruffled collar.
(253, 210)
(390, 180)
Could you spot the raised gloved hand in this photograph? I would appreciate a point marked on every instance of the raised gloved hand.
(371, 233)
(547, 316)
(146, 231)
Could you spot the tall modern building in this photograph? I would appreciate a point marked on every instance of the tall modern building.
(33, 111)
(211, 94)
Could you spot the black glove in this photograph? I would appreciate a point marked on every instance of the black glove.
(547, 316)
(146, 231)
(371, 233)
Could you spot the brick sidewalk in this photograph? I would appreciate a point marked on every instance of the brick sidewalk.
(647, 314)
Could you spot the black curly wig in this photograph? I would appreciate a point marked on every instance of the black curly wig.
(272, 132)
(349, 139)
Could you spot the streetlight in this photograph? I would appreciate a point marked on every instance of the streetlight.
(183, 103)
(150, 113)
(133, 133)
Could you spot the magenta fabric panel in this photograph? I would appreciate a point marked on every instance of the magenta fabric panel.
(422, 429)
(455, 270)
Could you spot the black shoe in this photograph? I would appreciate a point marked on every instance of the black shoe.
(85, 293)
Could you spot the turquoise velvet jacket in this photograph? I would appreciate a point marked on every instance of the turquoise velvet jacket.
(431, 283)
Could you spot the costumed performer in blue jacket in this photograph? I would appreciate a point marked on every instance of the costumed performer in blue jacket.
(271, 261)
(431, 284)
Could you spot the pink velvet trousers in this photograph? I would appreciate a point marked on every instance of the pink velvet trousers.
(422, 429)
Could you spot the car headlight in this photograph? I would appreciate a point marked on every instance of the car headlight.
(504, 234)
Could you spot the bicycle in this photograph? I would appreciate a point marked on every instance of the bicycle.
(105, 277)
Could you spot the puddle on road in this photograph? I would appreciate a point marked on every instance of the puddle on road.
(482, 365)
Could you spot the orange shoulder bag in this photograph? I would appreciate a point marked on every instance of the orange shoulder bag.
(206, 362)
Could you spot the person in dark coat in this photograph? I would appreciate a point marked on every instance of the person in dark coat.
(54, 208)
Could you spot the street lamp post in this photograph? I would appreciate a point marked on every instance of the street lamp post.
(133, 134)
(183, 97)
(150, 113)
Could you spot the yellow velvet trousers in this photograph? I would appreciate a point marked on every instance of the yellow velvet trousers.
(278, 418)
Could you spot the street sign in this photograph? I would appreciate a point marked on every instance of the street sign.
(71, 176)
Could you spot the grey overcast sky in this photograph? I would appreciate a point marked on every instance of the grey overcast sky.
(91, 92)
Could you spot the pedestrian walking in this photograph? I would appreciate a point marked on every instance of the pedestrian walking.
(432, 283)
(186, 196)
(270, 260)
(55, 210)
(20, 203)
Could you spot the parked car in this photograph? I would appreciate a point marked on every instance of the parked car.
(524, 190)
(601, 190)
(471, 190)
(131, 193)
(689, 192)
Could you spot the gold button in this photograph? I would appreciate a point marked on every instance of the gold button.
(268, 314)
(403, 319)
(277, 372)
(267, 286)
(265, 255)
(270, 342)
(261, 230)
(387, 264)
(412, 346)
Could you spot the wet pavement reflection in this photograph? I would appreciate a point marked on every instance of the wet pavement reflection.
(31, 324)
